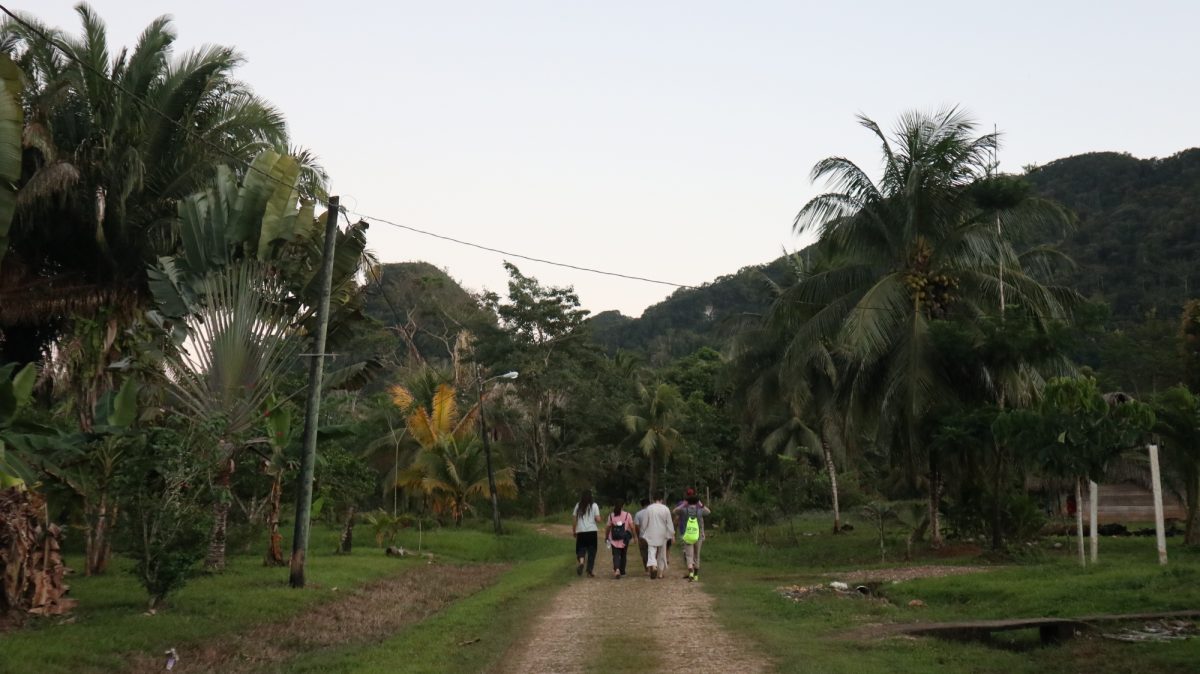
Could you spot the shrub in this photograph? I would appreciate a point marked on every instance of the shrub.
(755, 505)
(167, 527)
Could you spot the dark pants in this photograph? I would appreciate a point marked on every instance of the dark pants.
(644, 548)
(619, 556)
(586, 542)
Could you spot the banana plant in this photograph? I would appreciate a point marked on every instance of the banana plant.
(278, 421)
(90, 463)
(11, 125)
(15, 394)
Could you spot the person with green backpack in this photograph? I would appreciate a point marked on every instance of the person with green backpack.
(691, 522)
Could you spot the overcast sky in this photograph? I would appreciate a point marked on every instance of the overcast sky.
(666, 139)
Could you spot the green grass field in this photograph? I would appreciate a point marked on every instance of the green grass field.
(743, 571)
(809, 636)
(110, 622)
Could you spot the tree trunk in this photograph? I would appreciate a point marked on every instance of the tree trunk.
(997, 501)
(99, 547)
(1079, 519)
(275, 539)
(1191, 535)
(833, 488)
(346, 544)
(215, 561)
(935, 501)
(653, 483)
(1093, 519)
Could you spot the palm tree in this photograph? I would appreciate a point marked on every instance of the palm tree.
(437, 421)
(650, 423)
(919, 245)
(453, 473)
(450, 467)
(240, 340)
(103, 171)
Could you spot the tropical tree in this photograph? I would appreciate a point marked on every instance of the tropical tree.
(918, 245)
(276, 464)
(1177, 415)
(438, 421)
(453, 474)
(543, 335)
(238, 344)
(651, 425)
(1074, 432)
(113, 139)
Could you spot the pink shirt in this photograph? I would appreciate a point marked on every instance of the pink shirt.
(624, 518)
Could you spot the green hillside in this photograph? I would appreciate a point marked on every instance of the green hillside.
(1135, 247)
(1138, 235)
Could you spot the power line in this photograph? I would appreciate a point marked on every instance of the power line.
(250, 167)
(489, 249)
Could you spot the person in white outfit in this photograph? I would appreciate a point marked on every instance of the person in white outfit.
(658, 531)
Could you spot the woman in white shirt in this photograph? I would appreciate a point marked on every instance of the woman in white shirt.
(585, 525)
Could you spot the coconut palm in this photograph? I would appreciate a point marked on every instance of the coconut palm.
(916, 246)
(651, 425)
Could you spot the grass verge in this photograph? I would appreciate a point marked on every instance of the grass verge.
(743, 571)
(472, 635)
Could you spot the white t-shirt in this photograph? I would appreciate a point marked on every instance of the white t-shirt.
(586, 522)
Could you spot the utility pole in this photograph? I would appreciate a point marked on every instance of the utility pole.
(312, 408)
(487, 453)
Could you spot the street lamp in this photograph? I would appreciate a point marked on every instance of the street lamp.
(487, 448)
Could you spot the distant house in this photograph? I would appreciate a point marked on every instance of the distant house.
(1127, 502)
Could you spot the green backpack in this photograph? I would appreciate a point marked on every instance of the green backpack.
(691, 533)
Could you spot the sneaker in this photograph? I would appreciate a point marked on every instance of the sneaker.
(653, 573)
(579, 569)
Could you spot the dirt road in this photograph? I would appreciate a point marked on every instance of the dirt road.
(632, 624)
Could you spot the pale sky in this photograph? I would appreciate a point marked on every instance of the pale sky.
(666, 139)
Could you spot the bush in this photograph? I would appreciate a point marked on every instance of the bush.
(970, 516)
(754, 506)
(167, 526)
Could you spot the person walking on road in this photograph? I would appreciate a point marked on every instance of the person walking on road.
(639, 520)
(691, 523)
(584, 526)
(620, 531)
(658, 532)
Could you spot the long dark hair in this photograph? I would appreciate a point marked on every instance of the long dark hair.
(584, 507)
(617, 506)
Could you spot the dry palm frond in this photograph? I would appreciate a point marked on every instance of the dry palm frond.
(50, 180)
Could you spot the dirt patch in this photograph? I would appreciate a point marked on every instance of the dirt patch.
(365, 615)
(557, 530)
(668, 623)
(903, 573)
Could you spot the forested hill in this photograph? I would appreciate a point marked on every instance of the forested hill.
(691, 317)
(1138, 235)
(1136, 247)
